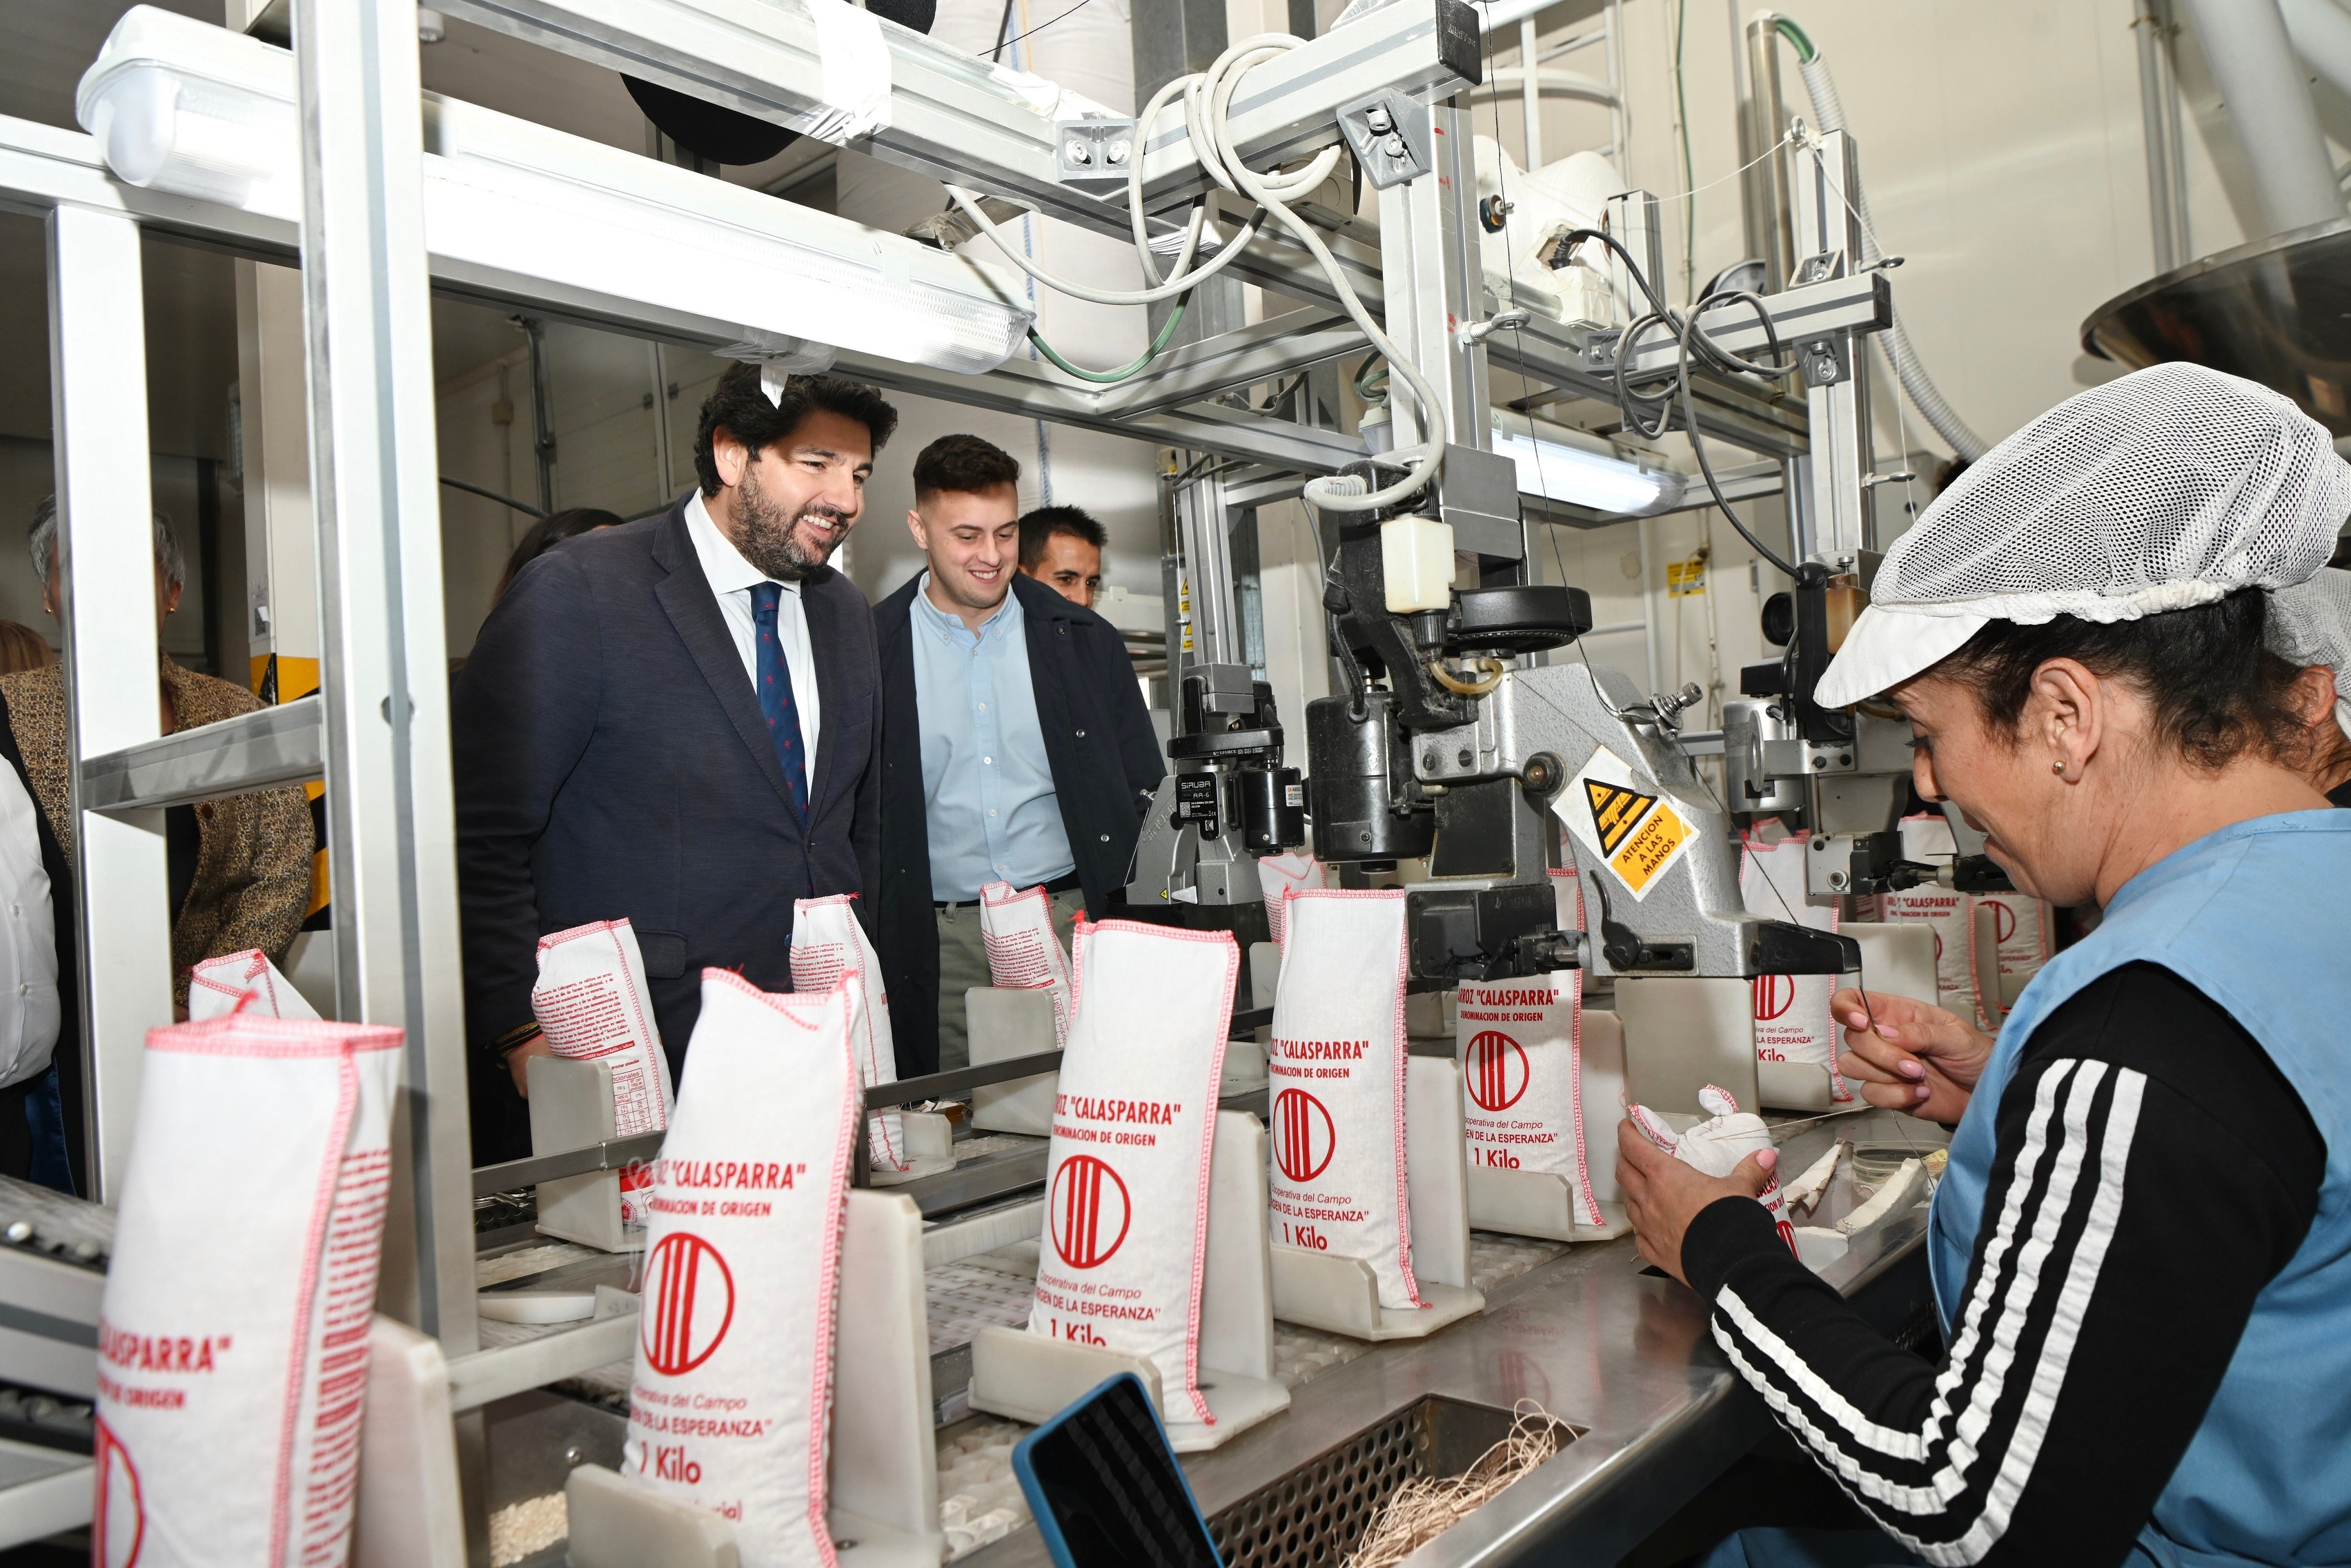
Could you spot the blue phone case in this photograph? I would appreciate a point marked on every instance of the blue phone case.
(1025, 1470)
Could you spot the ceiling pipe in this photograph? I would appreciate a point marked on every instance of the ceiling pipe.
(2268, 100)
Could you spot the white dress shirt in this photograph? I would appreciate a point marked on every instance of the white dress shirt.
(731, 579)
(28, 939)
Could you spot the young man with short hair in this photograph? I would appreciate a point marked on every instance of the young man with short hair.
(1062, 547)
(675, 721)
(1015, 747)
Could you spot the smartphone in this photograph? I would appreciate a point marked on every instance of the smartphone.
(1105, 1487)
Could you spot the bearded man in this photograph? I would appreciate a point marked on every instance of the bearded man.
(676, 722)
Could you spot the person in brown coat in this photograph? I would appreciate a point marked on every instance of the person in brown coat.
(240, 867)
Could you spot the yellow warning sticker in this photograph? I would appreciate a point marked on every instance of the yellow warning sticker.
(1615, 811)
(1627, 823)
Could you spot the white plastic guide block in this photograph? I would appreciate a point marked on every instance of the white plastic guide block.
(1682, 1033)
(928, 1139)
(883, 1498)
(409, 1514)
(1005, 1024)
(1339, 1295)
(572, 1108)
(1030, 1377)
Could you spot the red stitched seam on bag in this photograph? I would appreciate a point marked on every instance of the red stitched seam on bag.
(284, 1039)
(322, 1207)
(828, 1284)
(1207, 1161)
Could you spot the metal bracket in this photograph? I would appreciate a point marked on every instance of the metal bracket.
(1094, 154)
(1390, 136)
(1826, 361)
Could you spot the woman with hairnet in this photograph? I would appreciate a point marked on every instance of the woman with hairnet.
(2141, 1254)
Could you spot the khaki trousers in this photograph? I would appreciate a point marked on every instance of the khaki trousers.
(963, 965)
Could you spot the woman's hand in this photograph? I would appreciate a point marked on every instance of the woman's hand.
(1913, 1057)
(519, 1061)
(1661, 1195)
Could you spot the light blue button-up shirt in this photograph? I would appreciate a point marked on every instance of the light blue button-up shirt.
(988, 786)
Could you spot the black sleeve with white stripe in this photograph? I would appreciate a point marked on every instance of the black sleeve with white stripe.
(2155, 1171)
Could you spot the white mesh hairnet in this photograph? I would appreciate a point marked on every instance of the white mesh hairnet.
(2168, 487)
(2310, 623)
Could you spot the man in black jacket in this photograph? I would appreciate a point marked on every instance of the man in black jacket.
(1015, 747)
(675, 721)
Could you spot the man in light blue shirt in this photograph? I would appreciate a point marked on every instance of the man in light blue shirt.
(1020, 713)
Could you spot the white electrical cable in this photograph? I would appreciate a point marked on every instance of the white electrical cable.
(1908, 367)
(1208, 100)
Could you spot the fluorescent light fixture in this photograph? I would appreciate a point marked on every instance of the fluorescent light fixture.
(181, 106)
(1568, 466)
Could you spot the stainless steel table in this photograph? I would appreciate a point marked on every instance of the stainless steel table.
(1621, 1353)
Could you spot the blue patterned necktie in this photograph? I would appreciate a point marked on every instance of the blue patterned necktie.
(776, 695)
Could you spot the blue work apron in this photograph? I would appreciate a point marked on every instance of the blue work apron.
(2258, 917)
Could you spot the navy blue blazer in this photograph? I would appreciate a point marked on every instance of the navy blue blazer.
(1106, 763)
(610, 760)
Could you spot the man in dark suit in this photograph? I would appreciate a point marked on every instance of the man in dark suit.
(1015, 747)
(675, 721)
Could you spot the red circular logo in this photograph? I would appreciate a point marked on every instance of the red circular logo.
(1303, 1137)
(689, 1304)
(118, 1522)
(1774, 995)
(2004, 921)
(1498, 1070)
(1089, 1203)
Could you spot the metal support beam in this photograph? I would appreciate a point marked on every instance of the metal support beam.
(98, 390)
(1200, 521)
(1835, 524)
(391, 833)
(1428, 248)
(282, 745)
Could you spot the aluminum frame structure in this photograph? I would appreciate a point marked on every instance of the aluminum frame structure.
(379, 732)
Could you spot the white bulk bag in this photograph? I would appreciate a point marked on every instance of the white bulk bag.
(592, 1005)
(232, 1353)
(1276, 874)
(1791, 1011)
(733, 1384)
(1717, 1146)
(245, 982)
(1336, 1066)
(1023, 954)
(1948, 914)
(827, 938)
(1529, 1099)
(1126, 1178)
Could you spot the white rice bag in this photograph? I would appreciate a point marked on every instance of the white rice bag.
(243, 982)
(1531, 1100)
(1718, 1144)
(1791, 1011)
(232, 1356)
(1023, 954)
(1276, 874)
(1336, 1063)
(1953, 924)
(2023, 927)
(592, 1005)
(1126, 1180)
(827, 938)
(732, 1384)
